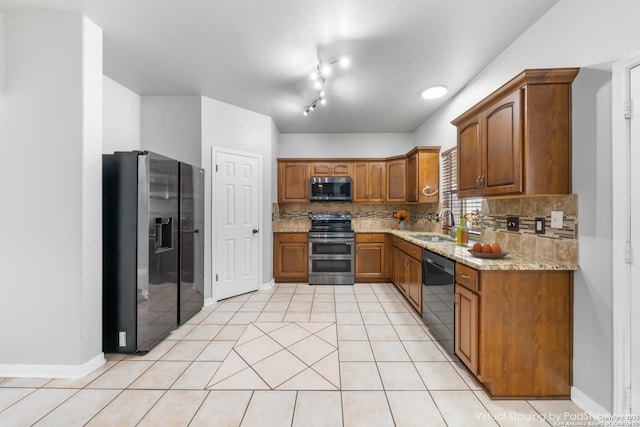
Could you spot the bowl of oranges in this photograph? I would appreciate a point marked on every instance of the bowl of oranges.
(486, 250)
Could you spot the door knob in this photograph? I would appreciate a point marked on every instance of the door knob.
(254, 231)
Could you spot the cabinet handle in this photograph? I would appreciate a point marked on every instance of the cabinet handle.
(464, 276)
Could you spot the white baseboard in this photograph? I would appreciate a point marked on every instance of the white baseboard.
(52, 371)
(209, 301)
(267, 285)
(586, 403)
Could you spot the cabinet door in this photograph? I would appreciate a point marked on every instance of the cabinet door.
(293, 182)
(414, 283)
(412, 178)
(341, 169)
(331, 169)
(469, 158)
(320, 169)
(397, 180)
(369, 260)
(377, 181)
(290, 262)
(466, 327)
(361, 182)
(393, 265)
(403, 271)
(502, 147)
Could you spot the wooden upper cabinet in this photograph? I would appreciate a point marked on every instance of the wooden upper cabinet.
(469, 157)
(518, 140)
(397, 180)
(423, 174)
(293, 182)
(369, 180)
(332, 169)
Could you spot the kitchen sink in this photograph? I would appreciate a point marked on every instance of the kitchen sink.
(433, 238)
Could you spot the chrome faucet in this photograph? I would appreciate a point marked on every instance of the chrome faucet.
(453, 221)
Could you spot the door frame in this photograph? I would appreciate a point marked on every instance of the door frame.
(621, 191)
(214, 152)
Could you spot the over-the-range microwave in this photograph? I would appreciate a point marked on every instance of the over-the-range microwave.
(330, 188)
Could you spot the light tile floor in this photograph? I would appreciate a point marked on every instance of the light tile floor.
(293, 355)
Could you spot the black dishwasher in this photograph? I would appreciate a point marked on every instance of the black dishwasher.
(438, 289)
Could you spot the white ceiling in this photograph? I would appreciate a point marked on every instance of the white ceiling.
(258, 54)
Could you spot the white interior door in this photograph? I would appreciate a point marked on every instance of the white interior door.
(236, 207)
(634, 235)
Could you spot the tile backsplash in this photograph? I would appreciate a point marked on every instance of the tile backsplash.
(553, 245)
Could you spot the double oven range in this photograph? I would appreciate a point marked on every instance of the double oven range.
(331, 249)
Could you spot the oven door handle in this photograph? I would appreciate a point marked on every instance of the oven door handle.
(337, 240)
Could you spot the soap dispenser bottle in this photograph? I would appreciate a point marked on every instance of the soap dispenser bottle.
(462, 234)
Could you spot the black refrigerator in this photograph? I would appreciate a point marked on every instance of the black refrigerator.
(191, 250)
(140, 203)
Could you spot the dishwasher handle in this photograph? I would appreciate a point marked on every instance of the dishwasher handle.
(439, 267)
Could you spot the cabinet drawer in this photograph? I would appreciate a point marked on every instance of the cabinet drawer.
(467, 277)
(292, 237)
(369, 238)
(410, 249)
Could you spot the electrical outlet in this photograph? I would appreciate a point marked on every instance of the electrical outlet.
(122, 339)
(540, 226)
(556, 219)
(513, 223)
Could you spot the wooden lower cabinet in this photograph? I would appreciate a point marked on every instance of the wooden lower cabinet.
(466, 329)
(370, 257)
(514, 330)
(405, 270)
(290, 257)
(414, 283)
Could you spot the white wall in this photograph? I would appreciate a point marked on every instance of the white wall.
(50, 181)
(227, 126)
(574, 33)
(121, 118)
(592, 181)
(1, 54)
(275, 150)
(346, 145)
(171, 126)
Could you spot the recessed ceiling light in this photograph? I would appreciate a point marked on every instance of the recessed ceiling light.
(434, 92)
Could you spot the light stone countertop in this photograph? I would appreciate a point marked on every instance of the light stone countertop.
(512, 261)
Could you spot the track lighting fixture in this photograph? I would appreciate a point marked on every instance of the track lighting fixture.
(320, 99)
(319, 76)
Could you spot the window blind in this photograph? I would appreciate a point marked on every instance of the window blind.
(469, 207)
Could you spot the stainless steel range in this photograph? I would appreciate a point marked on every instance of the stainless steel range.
(331, 249)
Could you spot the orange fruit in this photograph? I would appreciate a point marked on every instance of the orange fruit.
(477, 247)
(496, 249)
(486, 248)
